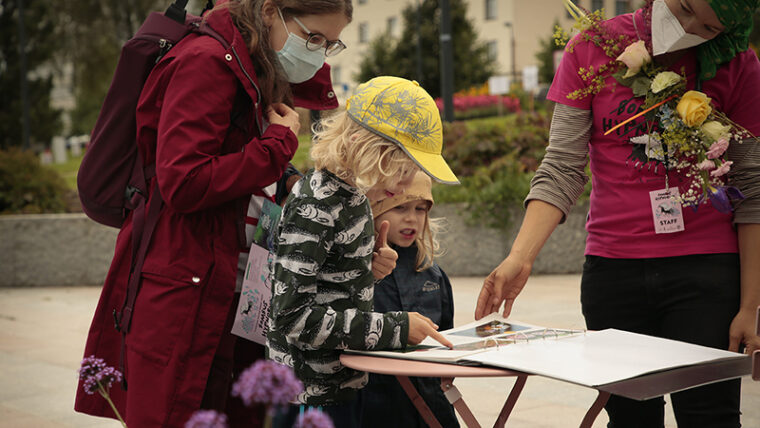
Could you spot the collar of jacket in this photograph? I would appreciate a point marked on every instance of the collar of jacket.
(315, 94)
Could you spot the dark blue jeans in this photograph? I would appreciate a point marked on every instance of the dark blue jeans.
(687, 298)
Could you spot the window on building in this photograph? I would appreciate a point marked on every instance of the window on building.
(490, 9)
(493, 49)
(363, 32)
(622, 6)
(336, 77)
(392, 25)
(597, 5)
(577, 2)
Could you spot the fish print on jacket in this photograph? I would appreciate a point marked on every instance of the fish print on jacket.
(323, 285)
(339, 276)
(353, 231)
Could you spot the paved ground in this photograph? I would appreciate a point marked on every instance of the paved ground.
(42, 332)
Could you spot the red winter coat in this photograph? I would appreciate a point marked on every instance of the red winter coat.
(207, 168)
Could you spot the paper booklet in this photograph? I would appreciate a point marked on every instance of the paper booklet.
(593, 358)
(252, 315)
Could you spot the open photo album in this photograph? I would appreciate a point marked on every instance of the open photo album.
(588, 358)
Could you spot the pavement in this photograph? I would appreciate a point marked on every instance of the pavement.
(42, 334)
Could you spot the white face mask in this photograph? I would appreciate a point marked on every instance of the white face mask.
(667, 33)
(300, 64)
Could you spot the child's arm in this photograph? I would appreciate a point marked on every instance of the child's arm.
(329, 319)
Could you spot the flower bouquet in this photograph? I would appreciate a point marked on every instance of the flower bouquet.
(684, 132)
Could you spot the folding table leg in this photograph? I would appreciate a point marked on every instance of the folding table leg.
(756, 354)
(511, 401)
(455, 398)
(418, 402)
(595, 409)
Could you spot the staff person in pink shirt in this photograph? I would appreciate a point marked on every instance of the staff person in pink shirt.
(672, 247)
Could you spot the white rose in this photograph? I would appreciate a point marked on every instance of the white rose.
(664, 80)
(715, 130)
(634, 57)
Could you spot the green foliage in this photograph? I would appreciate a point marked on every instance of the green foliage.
(94, 32)
(301, 159)
(472, 66)
(26, 187)
(68, 170)
(754, 37)
(545, 56)
(42, 42)
(494, 159)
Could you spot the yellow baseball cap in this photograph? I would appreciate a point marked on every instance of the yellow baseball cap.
(401, 111)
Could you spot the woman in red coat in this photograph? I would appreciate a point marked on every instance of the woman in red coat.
(217, 125)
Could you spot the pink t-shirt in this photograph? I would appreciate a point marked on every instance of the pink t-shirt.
(620, 221)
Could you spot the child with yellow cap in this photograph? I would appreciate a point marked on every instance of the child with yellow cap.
(416, 284)
(322, 281)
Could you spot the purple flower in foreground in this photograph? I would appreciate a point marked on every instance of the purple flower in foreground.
(721, 197)
(314, 418)
(207, 419)
(268, 383)
(97, 375)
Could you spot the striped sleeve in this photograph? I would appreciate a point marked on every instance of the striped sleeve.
(561, 177)
(745, 175)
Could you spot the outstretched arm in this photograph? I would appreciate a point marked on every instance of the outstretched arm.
(558, 183)
(508, 279)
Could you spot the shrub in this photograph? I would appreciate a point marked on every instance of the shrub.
(26, 187)
(494, 159)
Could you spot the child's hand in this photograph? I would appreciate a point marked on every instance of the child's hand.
(421, 327)
(281, 114)
(384, 258)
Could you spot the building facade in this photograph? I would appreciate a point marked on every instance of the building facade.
(511, 29)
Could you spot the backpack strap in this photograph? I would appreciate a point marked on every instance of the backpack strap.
(176, 11)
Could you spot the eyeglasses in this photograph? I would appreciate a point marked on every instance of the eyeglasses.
(316, 41)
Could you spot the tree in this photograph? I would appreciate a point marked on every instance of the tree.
(42, 41)
(545, 56)
(472, 65)
(754, 37)
(94, 31)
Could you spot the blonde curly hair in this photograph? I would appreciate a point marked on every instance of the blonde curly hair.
(357, 155)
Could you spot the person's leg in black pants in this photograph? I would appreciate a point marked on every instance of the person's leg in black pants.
(689, 298)
(614, 295)
(699, 299)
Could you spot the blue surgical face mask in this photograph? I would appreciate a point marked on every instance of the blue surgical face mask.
(300, 64)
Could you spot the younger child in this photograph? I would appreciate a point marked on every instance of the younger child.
(417, 284)
(322, 282)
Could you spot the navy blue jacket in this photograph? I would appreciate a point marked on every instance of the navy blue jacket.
(384, 402)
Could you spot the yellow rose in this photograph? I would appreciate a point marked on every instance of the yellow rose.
(714, 129)
(694, 108)
(663, 80)
(634, 56)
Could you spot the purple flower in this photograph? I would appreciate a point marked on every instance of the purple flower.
(721, 197)
(97, 375)
(207, 419)
(314, 418)
(268, 383)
